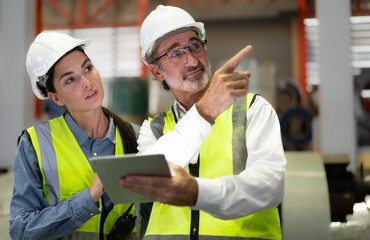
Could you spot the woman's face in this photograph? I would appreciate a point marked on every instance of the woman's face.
(77, 84)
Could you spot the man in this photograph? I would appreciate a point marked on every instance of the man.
(228, 139)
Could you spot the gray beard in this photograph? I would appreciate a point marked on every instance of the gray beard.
(199, 82)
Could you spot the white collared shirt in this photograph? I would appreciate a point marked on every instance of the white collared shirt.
(259, 187)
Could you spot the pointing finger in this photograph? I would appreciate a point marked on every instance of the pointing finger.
(233, 63)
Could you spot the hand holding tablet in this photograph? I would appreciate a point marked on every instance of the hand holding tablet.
(111, 168)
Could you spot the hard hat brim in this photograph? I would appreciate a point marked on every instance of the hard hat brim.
(198, 27)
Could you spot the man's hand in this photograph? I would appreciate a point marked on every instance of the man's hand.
(96, 188)
(180, 190)
(225, 88)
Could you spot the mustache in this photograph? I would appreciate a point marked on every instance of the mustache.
(199, 66)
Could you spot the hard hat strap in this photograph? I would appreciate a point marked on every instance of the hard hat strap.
(43, 80)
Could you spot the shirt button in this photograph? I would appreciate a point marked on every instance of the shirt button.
(91, 214)
(95, 154)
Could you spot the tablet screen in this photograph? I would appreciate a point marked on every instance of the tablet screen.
(111, 168)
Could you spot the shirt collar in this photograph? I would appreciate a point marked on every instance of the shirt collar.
(81, 136)
(179, 110)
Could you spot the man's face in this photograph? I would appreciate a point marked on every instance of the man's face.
(182, 69)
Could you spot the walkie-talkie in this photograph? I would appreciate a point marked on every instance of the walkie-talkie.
(123, 226)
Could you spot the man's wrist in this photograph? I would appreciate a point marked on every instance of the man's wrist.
(202, 112)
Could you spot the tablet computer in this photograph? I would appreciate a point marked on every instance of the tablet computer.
(111, 168)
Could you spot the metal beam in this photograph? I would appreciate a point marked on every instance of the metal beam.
(142, 9)
(82, 7)
(100, 11)
(302, 13)
(38, 29)
(61, 9)
(338, 128)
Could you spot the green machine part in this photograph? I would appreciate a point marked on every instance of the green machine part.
(129, 96)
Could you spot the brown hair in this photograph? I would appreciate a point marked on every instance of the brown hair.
(126, 131)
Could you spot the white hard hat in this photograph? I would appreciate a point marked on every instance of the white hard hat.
(47, 48)
(160, 23)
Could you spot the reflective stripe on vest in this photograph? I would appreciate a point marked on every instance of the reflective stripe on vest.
(222, 153)
(66, 171)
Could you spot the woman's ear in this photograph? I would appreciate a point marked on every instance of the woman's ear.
(156, 71)
(54, 98)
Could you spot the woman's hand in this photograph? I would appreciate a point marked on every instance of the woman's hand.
(96, 188)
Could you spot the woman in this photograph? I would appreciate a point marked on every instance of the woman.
(56, 192)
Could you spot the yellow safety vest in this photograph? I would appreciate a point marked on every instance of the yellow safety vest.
(66, 171)
(219, 156)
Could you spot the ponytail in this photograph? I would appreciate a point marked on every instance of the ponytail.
(126, 131)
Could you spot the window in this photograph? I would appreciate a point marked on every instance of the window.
(360, 49)
(115, 52)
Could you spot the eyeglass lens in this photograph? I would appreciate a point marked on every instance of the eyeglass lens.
(196, 49)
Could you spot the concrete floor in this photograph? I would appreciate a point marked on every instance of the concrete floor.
(357, 226)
